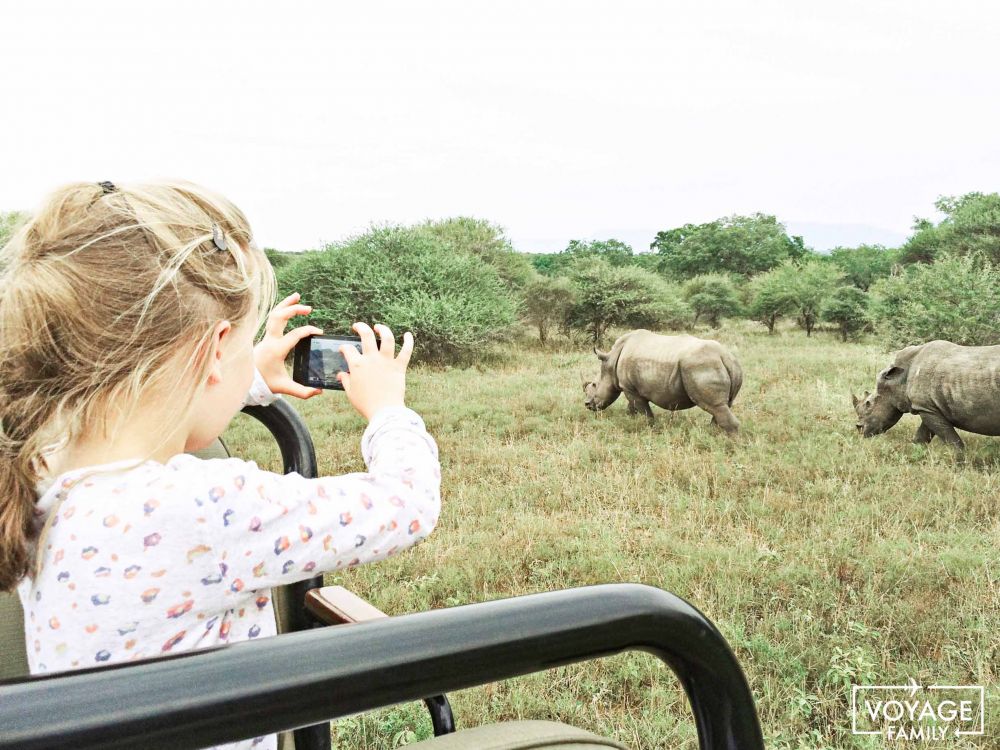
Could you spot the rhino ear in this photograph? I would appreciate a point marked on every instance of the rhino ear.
(892, 375)
(867, 394)
(601, 355)
(855, 401)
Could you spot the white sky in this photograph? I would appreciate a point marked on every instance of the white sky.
(556, 120)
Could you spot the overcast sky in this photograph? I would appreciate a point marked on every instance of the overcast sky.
(555, 120)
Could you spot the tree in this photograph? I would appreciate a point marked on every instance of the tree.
(772, 295)
(607, 296)
(741, 245)
(971, 226)
(712, 296)
(409, 279)
(546, 302)
(954, 297)
(615, 252)
(279, 259)
(486, 241)
(864, 264)
(812, 282)
(848, 308)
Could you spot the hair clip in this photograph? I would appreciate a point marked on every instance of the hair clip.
(107, 187)
(219, 238)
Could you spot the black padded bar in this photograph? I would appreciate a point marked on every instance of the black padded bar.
(291, 433)
(298, 454)
(249, 689)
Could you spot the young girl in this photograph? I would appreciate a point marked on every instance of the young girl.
(127, 320)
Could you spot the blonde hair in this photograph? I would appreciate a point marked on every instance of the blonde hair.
(100, 291)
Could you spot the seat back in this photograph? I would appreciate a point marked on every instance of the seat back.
(13, 656)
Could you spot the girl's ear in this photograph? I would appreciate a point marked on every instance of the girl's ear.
(215, 344)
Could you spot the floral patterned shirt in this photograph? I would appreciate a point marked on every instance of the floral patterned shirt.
(143, 559)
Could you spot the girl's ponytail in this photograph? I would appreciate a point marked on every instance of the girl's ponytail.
(106, 293)
(18, 478)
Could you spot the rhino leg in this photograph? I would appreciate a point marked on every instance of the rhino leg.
(924, 435)
(724, 417)
(939, 426)
(638, 405)
(709, 387)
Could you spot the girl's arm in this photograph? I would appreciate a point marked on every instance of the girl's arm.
(264, 529)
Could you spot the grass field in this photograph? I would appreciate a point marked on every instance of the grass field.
(825, 559)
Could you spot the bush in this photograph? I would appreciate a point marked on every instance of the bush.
(712, 296)
(971, 226)
(487, 242)
(546, 303)
(811, 283)
(608, 296)
(953, 298)
(279, 259)
(772, 295)
(742, 245)
(862, 266)
(848, 308)
(408, 279)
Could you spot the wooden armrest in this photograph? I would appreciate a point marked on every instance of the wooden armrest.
(335, 605)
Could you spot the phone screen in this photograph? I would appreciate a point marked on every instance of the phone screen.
(318, 360)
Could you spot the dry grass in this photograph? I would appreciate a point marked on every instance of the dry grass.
(825, 559)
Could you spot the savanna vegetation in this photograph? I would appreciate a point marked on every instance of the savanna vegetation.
(827, 560)
(460, 285)
(824, 558)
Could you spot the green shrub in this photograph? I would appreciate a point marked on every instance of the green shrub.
(487, 242)
(811, 283)
(772, 295)
(546, 302)
(279, 259)
(742, 245)
(409, 279)
(712, 296)
(863, 265)
(848, 308)
(971, 226)
(607, 296)
(953, 298)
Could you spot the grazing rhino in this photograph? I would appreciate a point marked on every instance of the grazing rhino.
(673, 372)
(945, 384)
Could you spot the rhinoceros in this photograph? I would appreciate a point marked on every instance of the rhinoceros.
(945, 384)
(673, 372)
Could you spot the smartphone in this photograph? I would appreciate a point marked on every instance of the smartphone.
(317, 361)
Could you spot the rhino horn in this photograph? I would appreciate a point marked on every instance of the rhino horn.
(601, 355)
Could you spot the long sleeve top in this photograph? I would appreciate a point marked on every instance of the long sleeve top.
(144, 558)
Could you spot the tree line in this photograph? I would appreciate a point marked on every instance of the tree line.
(458, 284)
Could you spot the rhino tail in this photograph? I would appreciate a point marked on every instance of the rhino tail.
(735, 375)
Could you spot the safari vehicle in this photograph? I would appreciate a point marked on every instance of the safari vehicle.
(310, 673)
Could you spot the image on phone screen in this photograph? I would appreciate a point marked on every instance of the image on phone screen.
(318, 360)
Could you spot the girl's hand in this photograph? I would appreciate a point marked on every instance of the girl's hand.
(377, 377)
(269, 355)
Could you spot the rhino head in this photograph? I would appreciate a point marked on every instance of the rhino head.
(600, 394)
(879, 411)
